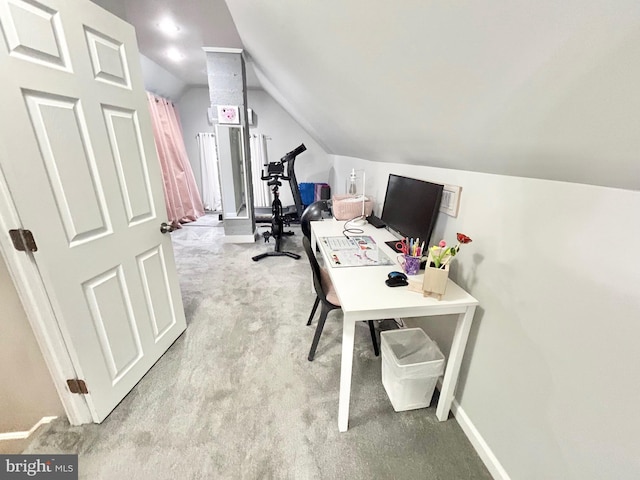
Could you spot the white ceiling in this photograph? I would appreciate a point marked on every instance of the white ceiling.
(202, 23)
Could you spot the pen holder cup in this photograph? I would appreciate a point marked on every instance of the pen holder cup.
(410, 265)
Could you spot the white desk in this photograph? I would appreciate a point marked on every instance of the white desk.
(364, 296)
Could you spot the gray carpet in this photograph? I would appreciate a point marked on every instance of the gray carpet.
(236, 398)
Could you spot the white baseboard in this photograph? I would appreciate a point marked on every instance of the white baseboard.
(485, 453)
(27, 434)
(241, 238)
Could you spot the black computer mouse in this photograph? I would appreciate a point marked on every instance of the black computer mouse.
(397, 281)
(397, 275)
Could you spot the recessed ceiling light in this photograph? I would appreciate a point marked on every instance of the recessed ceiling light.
(174, 54)
(168, 27)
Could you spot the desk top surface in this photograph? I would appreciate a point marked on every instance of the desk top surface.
(362, 290)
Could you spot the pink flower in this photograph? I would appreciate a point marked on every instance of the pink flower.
(442, 244)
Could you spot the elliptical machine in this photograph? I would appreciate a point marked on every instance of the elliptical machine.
(275, 173)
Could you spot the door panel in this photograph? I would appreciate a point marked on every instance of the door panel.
(33, 32)
(61, 133)
(124, 136)
(110, 304)
(77, 151)
(153, 271)
(107, 59)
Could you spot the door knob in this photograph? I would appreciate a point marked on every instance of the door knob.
(166, 228)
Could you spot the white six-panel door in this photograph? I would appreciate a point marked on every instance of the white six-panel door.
(77, 152)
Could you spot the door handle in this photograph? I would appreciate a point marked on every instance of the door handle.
(166, 228)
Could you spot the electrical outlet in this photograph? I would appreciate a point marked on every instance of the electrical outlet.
(450, 200)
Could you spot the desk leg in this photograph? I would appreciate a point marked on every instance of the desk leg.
(348, 334)
(314, 242)
(453, 363)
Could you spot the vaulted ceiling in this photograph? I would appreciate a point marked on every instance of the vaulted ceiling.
(542, 89)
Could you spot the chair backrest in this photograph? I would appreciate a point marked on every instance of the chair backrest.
(315, 268)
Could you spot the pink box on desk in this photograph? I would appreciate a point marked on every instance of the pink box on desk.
(346, 207)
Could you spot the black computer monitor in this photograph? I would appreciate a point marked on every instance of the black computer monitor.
(411, 207)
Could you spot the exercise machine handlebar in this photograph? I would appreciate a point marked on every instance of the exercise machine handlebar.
(275, 170)
(293, 153)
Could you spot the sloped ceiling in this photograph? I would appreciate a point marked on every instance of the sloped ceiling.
(542, 89)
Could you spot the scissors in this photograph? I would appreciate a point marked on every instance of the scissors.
(402, 246)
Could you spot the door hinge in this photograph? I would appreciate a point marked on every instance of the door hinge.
(77, 386)
(23, 240)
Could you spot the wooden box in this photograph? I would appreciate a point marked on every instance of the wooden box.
(435, 279)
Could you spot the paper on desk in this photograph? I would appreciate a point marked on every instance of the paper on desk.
(357, 251)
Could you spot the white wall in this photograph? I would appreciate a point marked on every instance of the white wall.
(313, 165)
(159, 81)
(26, 390)
(272, 120)
(550, 377)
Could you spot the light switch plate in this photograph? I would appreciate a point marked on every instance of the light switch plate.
(450, 200)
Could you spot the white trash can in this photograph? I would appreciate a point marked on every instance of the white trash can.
(411, 365)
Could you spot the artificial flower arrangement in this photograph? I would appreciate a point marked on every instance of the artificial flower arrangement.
(441, 255)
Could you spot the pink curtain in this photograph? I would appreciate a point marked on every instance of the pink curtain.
(180, 191)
